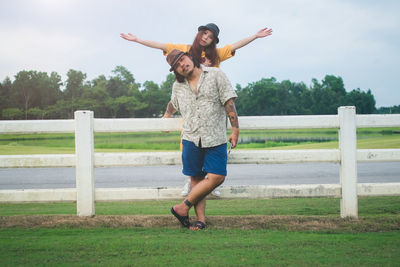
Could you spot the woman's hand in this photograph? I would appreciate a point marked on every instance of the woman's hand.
(129, 37)
(263, 33)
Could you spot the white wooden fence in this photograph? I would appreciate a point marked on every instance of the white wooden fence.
(84, 125)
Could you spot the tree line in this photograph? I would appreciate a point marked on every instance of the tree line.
(39, 95)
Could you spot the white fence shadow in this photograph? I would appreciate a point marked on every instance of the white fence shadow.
(84, 125)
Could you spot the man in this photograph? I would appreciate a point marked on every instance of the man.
(205, 98)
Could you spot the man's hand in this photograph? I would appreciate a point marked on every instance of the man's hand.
(233, 138)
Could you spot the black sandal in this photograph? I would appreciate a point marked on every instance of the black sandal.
(184, 220)
(198, 225)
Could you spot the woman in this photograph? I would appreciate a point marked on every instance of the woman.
(204, 47)
(204, 50)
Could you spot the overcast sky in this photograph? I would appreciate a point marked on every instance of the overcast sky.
(356, 40)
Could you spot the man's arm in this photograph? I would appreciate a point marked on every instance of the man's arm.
(233, 118)
(170, 110)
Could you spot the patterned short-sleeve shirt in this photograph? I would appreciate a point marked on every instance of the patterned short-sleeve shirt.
(204, 113)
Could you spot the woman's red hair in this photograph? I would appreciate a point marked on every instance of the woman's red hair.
(210, 51)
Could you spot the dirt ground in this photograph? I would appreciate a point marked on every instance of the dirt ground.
(287, 223)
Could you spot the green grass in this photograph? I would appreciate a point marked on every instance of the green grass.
(176, 247)
(368, 206)
(66, 246)
(371, 138)
(141, 246)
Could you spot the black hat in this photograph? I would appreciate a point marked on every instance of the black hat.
(213, 28)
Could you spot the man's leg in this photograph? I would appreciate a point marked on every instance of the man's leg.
(200, 207)
(196, 160)
(202, 189)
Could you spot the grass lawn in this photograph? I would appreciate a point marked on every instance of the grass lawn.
(178, 247)
(367, 206)
(294, 232)
(69, 245)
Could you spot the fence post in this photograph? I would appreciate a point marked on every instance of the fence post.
(84, 151)
(348, 161)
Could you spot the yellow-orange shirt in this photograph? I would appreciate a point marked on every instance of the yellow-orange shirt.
(224, 53)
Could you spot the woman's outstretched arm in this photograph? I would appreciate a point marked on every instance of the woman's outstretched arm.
(260, 34)
(148, 43)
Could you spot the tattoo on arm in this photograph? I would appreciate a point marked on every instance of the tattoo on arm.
(231, 112)
(170, 109)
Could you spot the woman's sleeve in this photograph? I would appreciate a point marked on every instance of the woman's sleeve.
(225, 52)
(169, 47)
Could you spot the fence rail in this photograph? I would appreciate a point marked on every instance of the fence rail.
(174, 158)
(175, 124)
(84, 160)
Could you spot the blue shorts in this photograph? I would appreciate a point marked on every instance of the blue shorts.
(199, 161)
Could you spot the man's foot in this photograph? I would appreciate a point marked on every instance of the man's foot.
(216, 192)
(186, 188)
(184, 220)
(198, 225)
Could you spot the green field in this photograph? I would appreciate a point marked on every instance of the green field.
(368, 206)
(174, 247)
(295, 232)
(245, 232)
(372, 138)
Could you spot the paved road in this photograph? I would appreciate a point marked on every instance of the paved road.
(164, 176)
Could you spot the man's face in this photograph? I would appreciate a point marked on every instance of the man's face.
(184, 66)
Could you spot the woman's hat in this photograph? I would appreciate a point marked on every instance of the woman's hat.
(213, 28)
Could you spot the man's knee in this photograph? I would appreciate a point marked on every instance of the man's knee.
(216, 178)
(196, 178)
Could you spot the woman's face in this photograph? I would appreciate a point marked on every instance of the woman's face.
(206, 38)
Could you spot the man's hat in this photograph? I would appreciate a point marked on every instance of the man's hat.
(213, 28)
(173, 57)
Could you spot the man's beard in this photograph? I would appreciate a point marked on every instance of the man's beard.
(190, 73)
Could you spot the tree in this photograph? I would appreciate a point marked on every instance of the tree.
(12, 114)
(125, 106)
(61, 110)
(124, 75)
(389, 110)
(98, 92)
(38, 95)
(285, 101)
(5, 94)
(75, 84)
(122, 84)
(259, 98)
(364, 101)
(36, 114)
(166, 86)
(155, 98)
(301, 97)
(50, 91)
(26, 90)
(328, 96)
